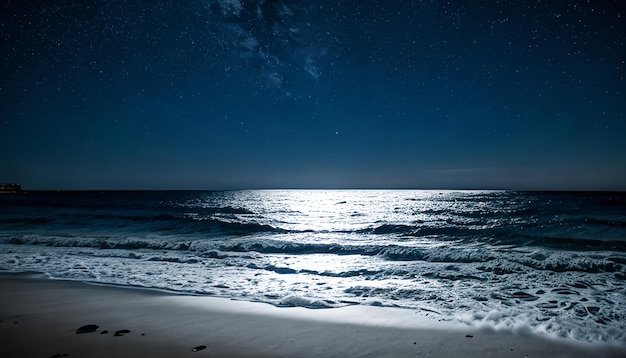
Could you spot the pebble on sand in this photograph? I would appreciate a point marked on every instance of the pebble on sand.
(198, 348)
(88, 328)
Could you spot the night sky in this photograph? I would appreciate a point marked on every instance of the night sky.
(228, 94)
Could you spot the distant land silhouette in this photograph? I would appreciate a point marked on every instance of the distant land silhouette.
(11, 189)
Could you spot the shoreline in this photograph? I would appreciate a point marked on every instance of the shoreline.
(39, 317)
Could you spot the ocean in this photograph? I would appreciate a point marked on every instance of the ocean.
(552, 263)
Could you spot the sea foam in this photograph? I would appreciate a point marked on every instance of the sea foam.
(549, 263)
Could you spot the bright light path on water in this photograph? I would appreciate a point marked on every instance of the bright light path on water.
(343, 217)
(346, 210)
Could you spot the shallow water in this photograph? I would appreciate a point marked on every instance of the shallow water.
(547, 262)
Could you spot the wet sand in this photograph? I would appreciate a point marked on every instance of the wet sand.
(41, 317)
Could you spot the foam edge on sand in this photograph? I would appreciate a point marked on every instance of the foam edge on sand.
(40, 317)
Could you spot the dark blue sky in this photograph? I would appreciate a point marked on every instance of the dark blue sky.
(220, 94)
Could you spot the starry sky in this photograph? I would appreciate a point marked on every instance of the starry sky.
(233, 94)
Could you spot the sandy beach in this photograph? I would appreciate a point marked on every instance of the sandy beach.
(40, 317)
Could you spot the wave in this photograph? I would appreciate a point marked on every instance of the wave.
(26, 221)
(540, 259)
(96, 242)
(605, 222)
(218, 210)
(278, 247)
(386, 252)
(417, 230)
(576, 244)
(556, 262)
(439, 254)
(344, 274)
(295, 301)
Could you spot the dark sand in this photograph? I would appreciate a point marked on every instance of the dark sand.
(40, 318)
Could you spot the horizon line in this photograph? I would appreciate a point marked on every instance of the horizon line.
(582, 190)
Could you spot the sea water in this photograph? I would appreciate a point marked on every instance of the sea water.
(547, 262)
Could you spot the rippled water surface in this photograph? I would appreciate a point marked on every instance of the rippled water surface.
(548, 262)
